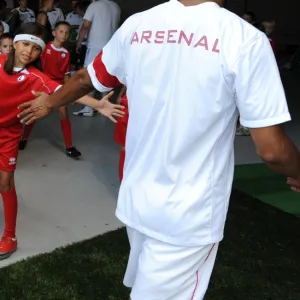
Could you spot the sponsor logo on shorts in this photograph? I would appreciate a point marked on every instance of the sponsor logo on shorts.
(12, 161)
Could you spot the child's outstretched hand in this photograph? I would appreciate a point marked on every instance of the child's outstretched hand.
(109, 109)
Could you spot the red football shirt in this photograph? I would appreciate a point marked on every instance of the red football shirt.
(16, 89)
(55, 62)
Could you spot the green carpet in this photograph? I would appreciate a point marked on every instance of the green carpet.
(262, 183)
(258, 260)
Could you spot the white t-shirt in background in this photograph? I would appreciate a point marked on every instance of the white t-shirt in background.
(26, 16)
(188, 71)
(105, 18)
(74, 19)
(54, 16)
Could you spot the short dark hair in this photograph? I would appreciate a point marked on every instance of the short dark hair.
(6, 36)
(251, 14)
(31, 28)
(61, 23)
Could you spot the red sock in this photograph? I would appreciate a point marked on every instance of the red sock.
(121, 164)
(10, 205)
(67, 132)
(27, 131)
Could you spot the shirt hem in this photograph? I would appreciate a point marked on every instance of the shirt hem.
(164, 239)
(267, 122)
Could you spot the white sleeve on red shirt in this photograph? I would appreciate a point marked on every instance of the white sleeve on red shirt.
(107, 71)
(260, 95)
(42, 83)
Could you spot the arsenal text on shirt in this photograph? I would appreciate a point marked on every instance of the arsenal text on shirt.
(175, 37)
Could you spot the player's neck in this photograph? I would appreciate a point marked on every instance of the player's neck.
(194, 2)
(57, 44)
(23, 8)
(19, 65)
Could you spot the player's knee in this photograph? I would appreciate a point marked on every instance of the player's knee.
(6, 182)
(4, 186)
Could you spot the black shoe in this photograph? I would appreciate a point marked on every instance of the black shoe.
(22, 144)
(73, 152)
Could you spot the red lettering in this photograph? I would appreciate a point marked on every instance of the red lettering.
(215, 47)
(160, 36)
(135, 38)
(202, 42)
(183, 36)
(170, 36)
(146, 35)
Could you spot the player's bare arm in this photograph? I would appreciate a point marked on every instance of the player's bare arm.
(278, 152)
(83, 32)
(78, 86)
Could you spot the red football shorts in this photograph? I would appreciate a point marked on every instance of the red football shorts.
(121, 127)
(9, 147)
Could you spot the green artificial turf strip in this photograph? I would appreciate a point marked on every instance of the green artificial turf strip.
(262, 183)
(258, 260)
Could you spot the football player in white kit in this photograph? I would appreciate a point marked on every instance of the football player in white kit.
(189, 67)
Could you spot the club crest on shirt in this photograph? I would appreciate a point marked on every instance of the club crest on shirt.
(63, 55)
(48, 51)
(21, 78)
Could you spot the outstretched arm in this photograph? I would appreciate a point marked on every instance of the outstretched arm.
(106, 72)
(76, 87)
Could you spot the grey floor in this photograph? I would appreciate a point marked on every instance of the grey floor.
(62, 201)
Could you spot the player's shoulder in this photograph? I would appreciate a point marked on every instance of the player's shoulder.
(235, 28)
(34, 73)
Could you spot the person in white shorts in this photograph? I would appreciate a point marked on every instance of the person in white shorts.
(189, 67)
(100, 22)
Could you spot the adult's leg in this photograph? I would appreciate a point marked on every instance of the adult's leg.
(157, 270)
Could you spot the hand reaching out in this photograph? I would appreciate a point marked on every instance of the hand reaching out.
(36, 109)
(109, 109)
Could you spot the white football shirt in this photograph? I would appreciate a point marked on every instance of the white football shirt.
(105, 18)
(26, 16)
(54, 16)
(188, 71)
(74, 19)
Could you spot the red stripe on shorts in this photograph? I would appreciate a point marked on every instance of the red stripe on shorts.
(197, 281)
(197, 273)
